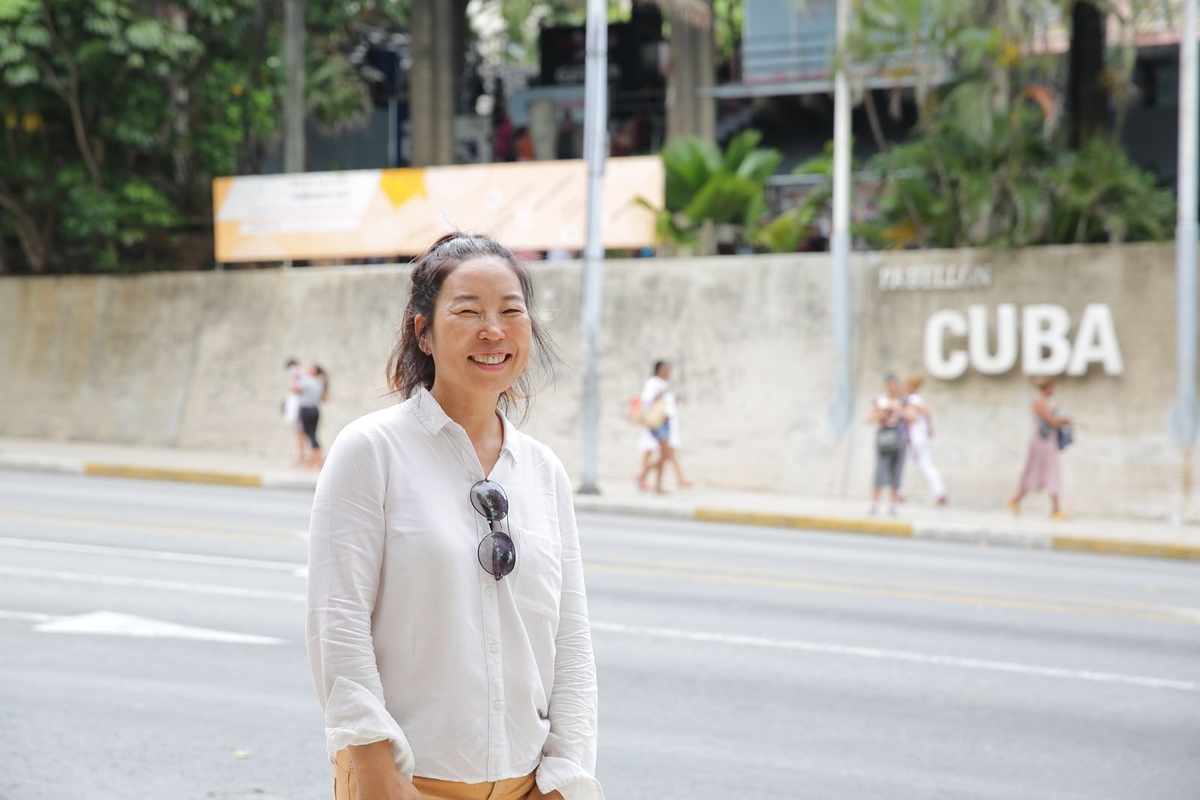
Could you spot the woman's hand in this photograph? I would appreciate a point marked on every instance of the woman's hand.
(385, 787)
(377, 776)
(536, 794)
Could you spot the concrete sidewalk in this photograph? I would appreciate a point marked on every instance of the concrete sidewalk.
(987, 527)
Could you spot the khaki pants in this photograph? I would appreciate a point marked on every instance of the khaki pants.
(345, 787)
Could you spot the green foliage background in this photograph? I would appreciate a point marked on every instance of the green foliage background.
(115, 115)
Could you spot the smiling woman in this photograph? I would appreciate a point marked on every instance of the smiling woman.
(448, 631)
(479, 271)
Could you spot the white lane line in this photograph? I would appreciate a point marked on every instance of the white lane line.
(148, 583)
(155, 555)
(25, 616)
(901, 655)
(110, 623)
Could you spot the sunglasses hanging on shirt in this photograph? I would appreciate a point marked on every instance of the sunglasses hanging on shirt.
(497, 552)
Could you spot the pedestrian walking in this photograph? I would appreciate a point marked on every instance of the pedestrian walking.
(887, 414)
(658, 418)
(1051, 432)
(290, 409)
(312, 388)
(448, 629)
(919, 424)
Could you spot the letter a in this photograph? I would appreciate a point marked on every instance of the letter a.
(1096, 342)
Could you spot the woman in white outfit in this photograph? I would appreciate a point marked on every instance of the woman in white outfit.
(291, 411)
(448, 630)
(920, 433)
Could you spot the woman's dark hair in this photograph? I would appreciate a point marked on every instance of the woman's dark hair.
(324, 380)
(409, 368)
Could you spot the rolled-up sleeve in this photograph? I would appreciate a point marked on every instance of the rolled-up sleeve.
(569, 759)
(345, 557)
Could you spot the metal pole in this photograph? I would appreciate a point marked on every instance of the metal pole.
(1184, 417)
(839, 240)
(293, 99)
(594, 151)
(393, 157)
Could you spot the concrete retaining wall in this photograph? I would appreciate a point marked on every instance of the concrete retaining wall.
(195, 360)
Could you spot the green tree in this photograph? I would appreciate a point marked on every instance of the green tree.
(989, 162)
(117, 114)
(705, 187)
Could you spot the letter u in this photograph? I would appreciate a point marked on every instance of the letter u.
(1005, 357)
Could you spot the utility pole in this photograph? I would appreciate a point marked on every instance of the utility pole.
(594, 151)
(1183, 419)
(839, 240)
(293, 98)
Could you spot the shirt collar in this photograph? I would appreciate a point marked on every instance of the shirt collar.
(430, 414)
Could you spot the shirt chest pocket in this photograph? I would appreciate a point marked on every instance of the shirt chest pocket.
(539, 572)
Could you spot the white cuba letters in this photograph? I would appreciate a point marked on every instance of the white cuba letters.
(1043, 341)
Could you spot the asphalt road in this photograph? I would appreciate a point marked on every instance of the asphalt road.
(151, 646)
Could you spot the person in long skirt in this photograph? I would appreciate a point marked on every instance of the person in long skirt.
(1042, 472)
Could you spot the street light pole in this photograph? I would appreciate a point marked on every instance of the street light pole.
(594, 147)
(293, 98)
(1183, 420)
(839, 239)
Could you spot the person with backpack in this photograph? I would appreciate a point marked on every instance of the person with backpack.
(891, 445)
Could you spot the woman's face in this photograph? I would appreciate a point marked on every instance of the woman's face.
(481, 331)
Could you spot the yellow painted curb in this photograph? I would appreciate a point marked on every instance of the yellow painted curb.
(1182, 551)
(182, 475)
(903, 529)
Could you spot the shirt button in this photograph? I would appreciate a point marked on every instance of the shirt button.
(496, 704)
(494, 648)
(488, 589)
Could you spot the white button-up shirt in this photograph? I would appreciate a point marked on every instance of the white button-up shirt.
(410, 640)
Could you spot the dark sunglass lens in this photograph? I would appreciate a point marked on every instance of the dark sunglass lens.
(489, 500)
(498, 554)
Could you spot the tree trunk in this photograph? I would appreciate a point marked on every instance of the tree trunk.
(1087, 101)
(181, 99)
(33, 244)
(70, 95)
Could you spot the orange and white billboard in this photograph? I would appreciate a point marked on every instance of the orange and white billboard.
(532, 205)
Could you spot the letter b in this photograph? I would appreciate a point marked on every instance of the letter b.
(1045, 327)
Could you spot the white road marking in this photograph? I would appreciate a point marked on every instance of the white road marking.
(148, 583)
(154, 555)
(25, 616)
(901, 655)
(110, 623)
